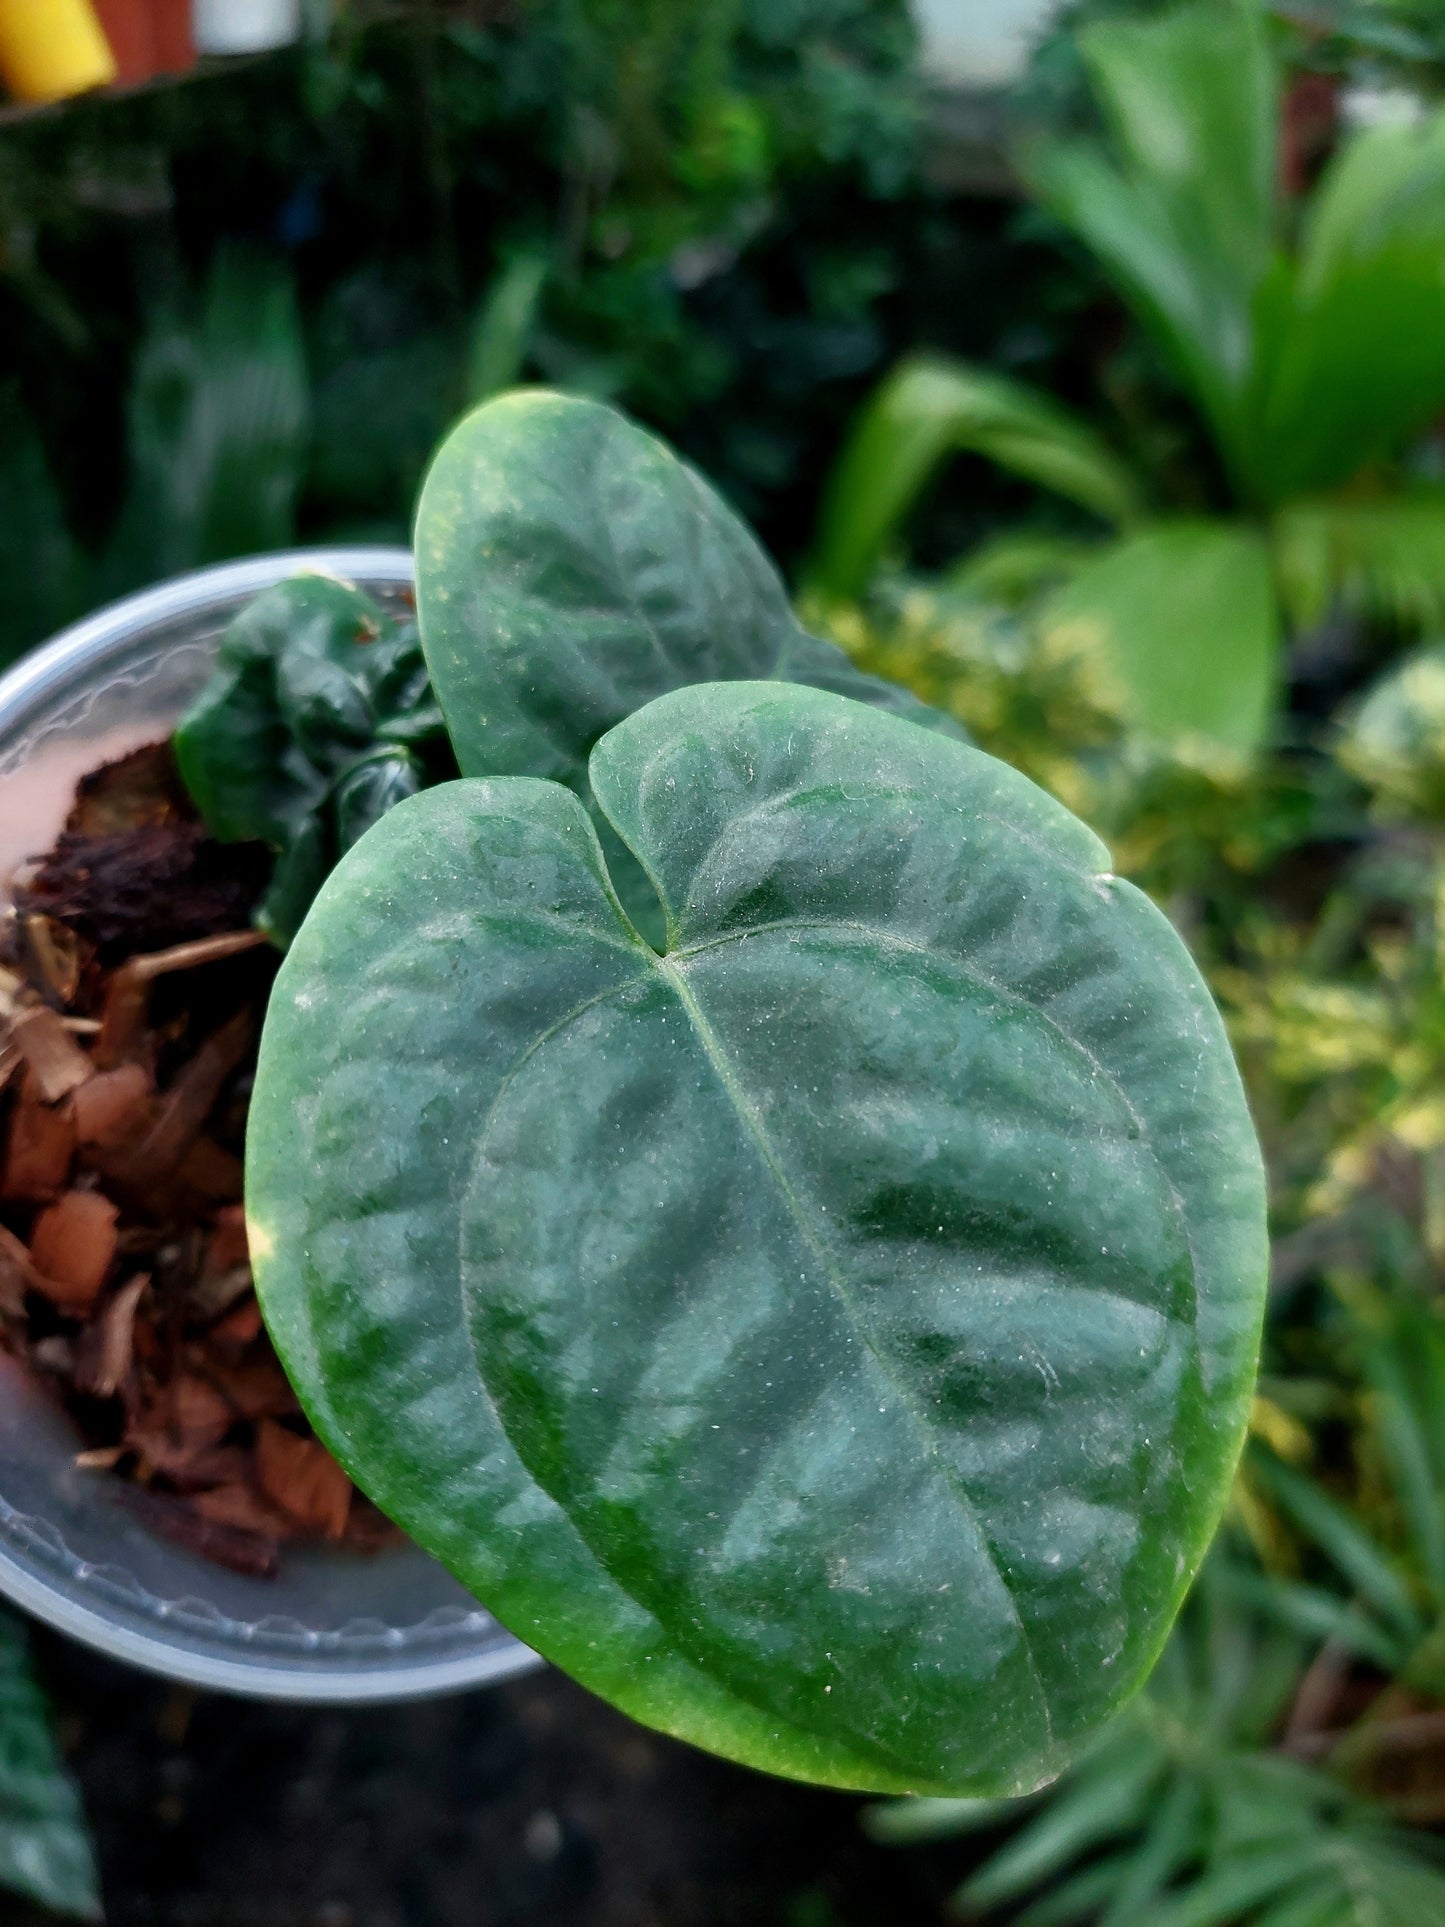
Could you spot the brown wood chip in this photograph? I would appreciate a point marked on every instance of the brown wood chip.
(177, 1520)
(103, 1357)
(38, 1149)
(53, 952)
(242, 1505)
(178, 1422)
(113, 1109)
(301, 1476)
(258, 1388)
(228, 1246)
(17, 1273)
(240, 1327)
(181, 1112)
(123, 1020)
(214, 1174)
(72, 1246)
(57, 1063)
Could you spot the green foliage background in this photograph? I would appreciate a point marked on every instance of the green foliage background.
(241, 310)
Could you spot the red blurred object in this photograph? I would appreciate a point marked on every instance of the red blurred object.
(148, 37)
(1309, 128)
(175, 49)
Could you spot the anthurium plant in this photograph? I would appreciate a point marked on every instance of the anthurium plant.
(736, 1177)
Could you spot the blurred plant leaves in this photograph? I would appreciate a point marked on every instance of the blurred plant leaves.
(45, 1851)
(929, 408)
(1183, 617)
(219, 426)
(1176, 1818)
(1182, 219)
(504, 327)
(44, 575)
(1382, 556)
(1353, 362)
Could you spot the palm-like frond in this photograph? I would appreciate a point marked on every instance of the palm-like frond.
(1352, 361)
(1181, 216)
(1383, 557)
(928, 409)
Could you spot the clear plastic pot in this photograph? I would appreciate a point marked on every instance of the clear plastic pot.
(334, 1625)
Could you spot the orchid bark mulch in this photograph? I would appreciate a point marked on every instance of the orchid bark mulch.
(132, 990)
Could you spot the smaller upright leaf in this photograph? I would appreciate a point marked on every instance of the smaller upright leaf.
(570, 568)
(45, 1851)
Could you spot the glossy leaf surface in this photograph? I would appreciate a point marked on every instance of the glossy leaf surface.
(829, 1339)
(570, 568)
(316, 719)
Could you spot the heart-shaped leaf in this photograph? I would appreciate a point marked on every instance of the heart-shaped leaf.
(570, 568)
(831, 1338)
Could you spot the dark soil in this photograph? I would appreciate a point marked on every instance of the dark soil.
(524, 1805)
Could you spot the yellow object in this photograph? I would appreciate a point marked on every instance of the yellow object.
(52, 48)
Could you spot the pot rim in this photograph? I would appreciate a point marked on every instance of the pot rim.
(342, 1677)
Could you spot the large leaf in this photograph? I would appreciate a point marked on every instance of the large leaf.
(45, 1851)
(1182, 619)
(570, 568)
(1181, 215)
(928, 409)
(829, 1339)
(1357, 354)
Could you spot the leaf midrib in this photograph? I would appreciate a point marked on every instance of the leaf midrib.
(666, 967)
(752, 1123)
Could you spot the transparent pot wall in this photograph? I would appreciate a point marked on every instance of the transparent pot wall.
(334, 1625)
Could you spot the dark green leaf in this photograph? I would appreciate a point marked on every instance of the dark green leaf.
(301, 868)
(831, 1339)
(315, 699)
(371, 787)
(45, 1851)
(570, 568)
(287, 676)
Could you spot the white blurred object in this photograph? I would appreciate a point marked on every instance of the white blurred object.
(1362, 106)
(980, 43)
(245, 26)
